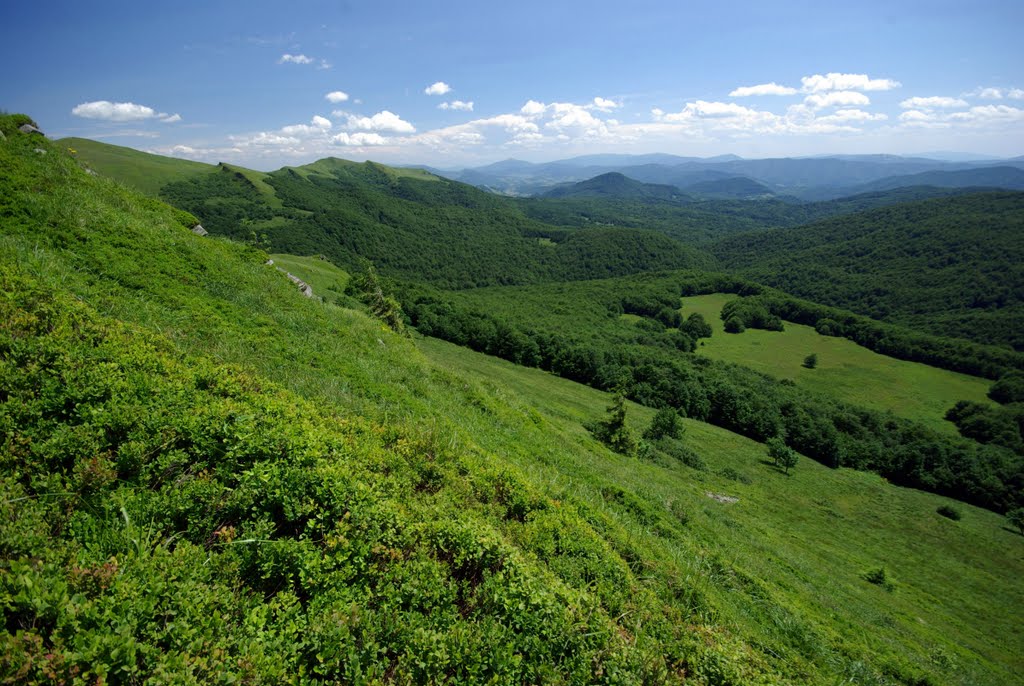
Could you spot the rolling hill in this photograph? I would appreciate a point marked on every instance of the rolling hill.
(953, 266)
(207, 476)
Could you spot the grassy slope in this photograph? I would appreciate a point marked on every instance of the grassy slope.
(330, 280)
(140, 170)
(845, 370)
(794, 547)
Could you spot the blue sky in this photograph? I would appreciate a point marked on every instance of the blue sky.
(465, 83)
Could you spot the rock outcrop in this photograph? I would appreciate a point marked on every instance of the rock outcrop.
(306, 289)
(28, 128)
(199, 230)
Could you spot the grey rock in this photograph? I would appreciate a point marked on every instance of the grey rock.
(269, 263)
(28, 128)
(199, 230)
(306, 289)
(40, 151)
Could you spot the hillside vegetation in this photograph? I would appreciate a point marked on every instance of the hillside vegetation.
(951, 266)
(207, 476)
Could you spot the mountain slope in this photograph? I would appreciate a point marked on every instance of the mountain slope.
(410, 223)
(952, 266)
(613, 185)
(140, 170)
(206, 476)
(1008, 178)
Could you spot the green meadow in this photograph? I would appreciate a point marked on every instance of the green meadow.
(844, 370)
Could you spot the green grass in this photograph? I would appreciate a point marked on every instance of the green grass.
(259, 180)
(845, 370)
(330, 280)
(142, 171)
(787, 558)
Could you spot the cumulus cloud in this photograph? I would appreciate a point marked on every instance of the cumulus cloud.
(997, 93)
(845, 82)
(932, 102)
(438, 88)
(121, 111)
(321, 122)
(336, 96)
(836, 99)
(851, 115)
(359, 139)
(604, 104)
(457, 105)
(382, 121)
(762, 89)
(532, 108)
(295, 59)
(704, 109)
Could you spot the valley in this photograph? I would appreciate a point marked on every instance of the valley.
(208, 476)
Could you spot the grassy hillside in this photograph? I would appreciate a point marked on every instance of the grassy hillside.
(951, 266)
(140, 170)
(207, 476)
(577, 331)
(805, 541)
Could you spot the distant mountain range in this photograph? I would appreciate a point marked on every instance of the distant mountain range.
(807, 178)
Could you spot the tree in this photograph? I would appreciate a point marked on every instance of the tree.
(665, 424)
(734, 325)
(367, 286)
(811, 361)
(782, 455)
(696, 327)
(1016, 517)
(1008, 389)
(613, 431)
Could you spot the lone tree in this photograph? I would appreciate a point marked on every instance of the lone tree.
(782, 455)
(665, 423)
(1016, 517)
(613, 431)
(811, 361)
(369, 289)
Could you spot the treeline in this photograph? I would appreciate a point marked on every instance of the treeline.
(742, 401)
(947, 353)
(950, 266)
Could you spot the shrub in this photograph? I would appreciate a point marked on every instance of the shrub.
(734, 325)
(811, 361)
(878, 578)
(665, 423)
(949, 512)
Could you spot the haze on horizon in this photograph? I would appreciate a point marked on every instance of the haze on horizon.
(265, 85)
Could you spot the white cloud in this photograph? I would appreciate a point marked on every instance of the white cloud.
(604, 104)
(932, 102)
(121, 111)
(316, 126)
(295, 59)
(836, 99)
(762, 89)
(321, 122)
(270, 138)
(336, 96)
(532, 108)
(324, 64)
(382, 121)
(510, 122)
(438, 88)
(983, 114)
(705, 109)
(457, 105)
(359, 139)
(845, 82)
(997, 93)
(852, 115)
